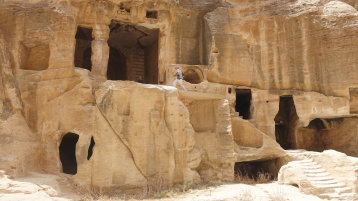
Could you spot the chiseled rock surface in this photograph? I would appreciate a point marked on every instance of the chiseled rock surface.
(154, 126)
(19, 145)
(171, 139)
(145, 134)
(303, 44)
(251, 144)
(211, 121)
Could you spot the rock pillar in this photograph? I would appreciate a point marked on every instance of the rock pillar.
(100, 52)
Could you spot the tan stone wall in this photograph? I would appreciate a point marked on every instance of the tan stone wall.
(158, 133)
(285, 45)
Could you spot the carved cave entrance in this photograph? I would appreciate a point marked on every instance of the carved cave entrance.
(243, 103)
(285, 123)
(83, 49)
(258, 171)
(133, 53)
(67, 152)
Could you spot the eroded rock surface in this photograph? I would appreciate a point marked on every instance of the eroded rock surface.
(83, 87)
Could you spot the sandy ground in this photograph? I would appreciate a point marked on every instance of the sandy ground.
(243, 192)
(41, 187)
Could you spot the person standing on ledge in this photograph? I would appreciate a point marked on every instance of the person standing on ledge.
(179, 78)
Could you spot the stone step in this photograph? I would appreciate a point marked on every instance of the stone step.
(310, 167)
(306, 163)
(349, 196)
(323, 174)
(314, 171)
(329, 186)
(303, 162)
(343, 196)
(331, 181)
(343, 190)
(329, 195)
(325, 178)
(306, 160)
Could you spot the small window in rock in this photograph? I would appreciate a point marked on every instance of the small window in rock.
(123, 8)
(243, 103)
(90, 148)
(229, 90)
(152, 14)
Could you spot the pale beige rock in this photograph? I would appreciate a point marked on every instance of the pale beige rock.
(154, 115)
(252, 145)
(19, 152)
(245, 134)
(255, 48)
(329, 174)
(210, 118)
(146, 134)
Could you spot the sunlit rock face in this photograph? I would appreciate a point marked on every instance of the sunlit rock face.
(84, 86)
(304, 45)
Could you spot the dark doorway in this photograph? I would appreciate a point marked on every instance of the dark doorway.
(285, 123)
(83, 49)
(133, 53)
(117, 69)
(90, 148)
(243, 103)
(67, 151)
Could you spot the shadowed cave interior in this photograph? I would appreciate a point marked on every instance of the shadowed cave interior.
(133, 53)
(285, 122)
(243, 103)
(67, 150)
(257, 170)
(83, 49)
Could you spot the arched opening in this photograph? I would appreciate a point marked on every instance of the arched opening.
(133, 53)
(285, 123)
(317, 124)
(90, 149)
(83, 49)
(193, 76)
(243, 103)
(67, 150)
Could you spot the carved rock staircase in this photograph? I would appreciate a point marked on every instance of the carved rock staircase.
(321, 180)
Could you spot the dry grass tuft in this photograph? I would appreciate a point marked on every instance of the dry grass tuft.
(278, 195)
(247, 196)
(157, 190)
(260, 178)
